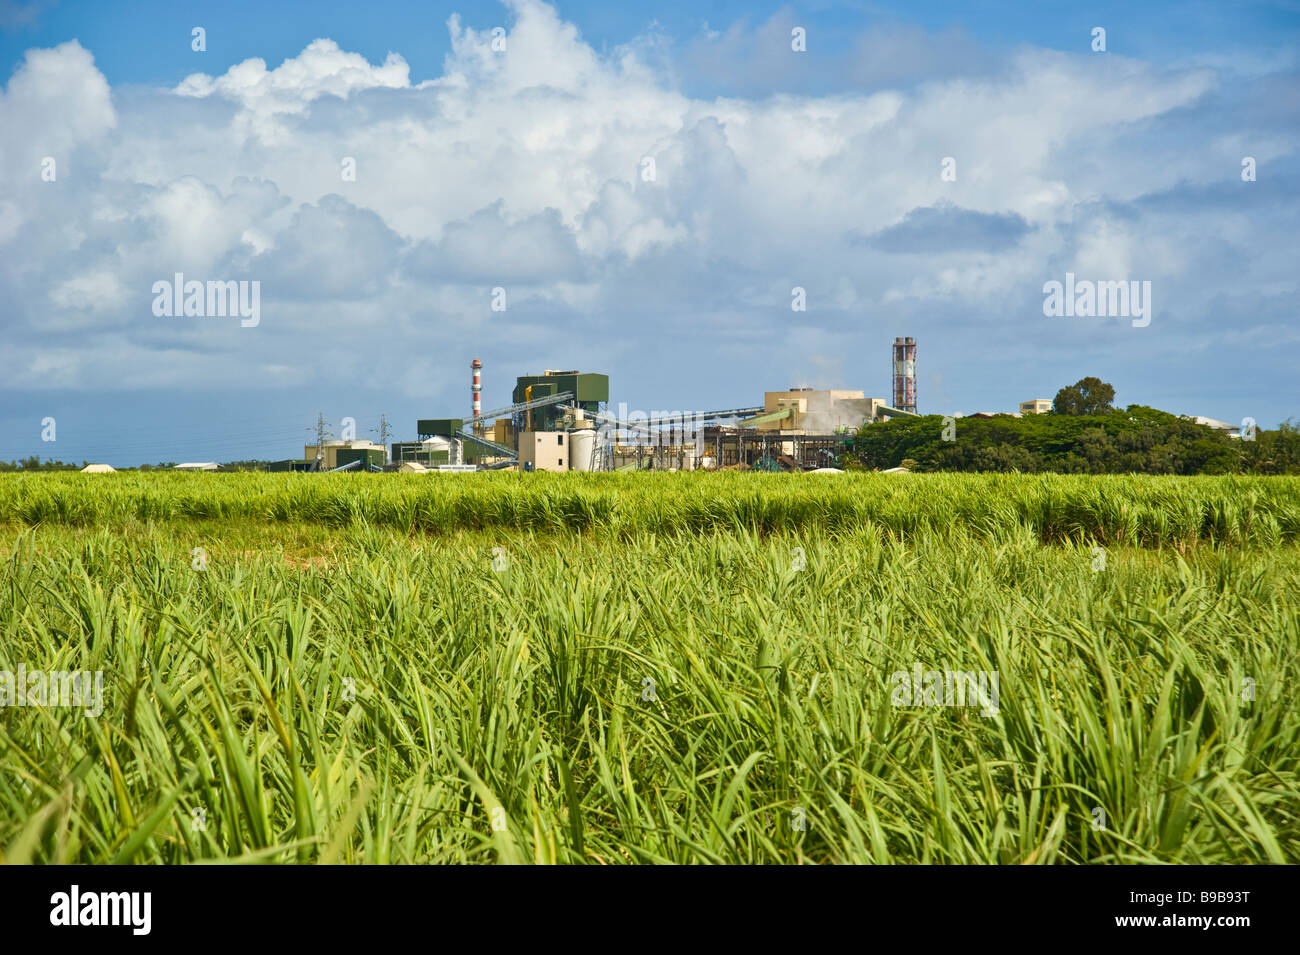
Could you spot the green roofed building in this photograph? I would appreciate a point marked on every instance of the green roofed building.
(368, 457)
(291, 465)
(590, 392)
(438, 427)
(420, 452)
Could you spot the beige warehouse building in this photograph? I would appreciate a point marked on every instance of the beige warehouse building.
(818, 412)
(544, 450)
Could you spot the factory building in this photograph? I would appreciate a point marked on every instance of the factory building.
(445, 428)
(501, 432)
(558, 421)
(366, 456)
(796, 429)
(544, 450)
(533, 432)
(335, 453)
(589, 392)
(728, 447)
(558, 435)
(430, 452)
(816, 412)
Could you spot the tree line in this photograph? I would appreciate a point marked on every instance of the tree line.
(1083, 434)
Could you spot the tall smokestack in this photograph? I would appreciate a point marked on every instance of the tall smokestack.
(477, 367)
(905, 374)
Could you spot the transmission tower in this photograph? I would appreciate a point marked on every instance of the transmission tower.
(383, 431)
(322, 432)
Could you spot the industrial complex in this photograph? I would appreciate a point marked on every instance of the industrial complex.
(562, 420)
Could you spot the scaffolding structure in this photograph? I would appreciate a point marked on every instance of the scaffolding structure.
(772, 450)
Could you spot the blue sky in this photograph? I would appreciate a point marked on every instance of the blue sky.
(135, 42)
(523, 169)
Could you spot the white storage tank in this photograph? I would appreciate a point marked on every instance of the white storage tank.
(582, 448)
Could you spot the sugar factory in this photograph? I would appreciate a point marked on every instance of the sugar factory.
(562, 420)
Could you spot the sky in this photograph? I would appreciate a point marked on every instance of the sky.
(647, 186)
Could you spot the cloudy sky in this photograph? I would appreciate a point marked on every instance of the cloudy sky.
(127, 156)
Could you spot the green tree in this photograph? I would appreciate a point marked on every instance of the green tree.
(1273, 452)
(1087, 396)
(1137, 440)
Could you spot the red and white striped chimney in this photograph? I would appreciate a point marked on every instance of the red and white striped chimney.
(477, 367)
